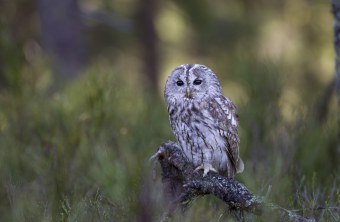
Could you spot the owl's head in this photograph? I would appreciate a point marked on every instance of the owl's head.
(191, 82)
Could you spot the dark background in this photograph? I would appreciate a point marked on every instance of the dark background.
(82, 109)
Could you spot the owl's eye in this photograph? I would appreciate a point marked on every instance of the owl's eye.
(180, 83)
(197, 82)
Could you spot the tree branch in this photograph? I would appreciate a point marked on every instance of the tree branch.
(183, 184)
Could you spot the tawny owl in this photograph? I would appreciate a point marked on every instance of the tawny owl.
(203, 120)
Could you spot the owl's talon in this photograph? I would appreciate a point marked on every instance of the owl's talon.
(206, 167)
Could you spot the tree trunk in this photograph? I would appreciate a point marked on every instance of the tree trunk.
(148, 38)
(62, 34)
(336, 13)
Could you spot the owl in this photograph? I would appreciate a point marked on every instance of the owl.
(203, 120)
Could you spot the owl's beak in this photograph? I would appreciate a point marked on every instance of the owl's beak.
(188, 93)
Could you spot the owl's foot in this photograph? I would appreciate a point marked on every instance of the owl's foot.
(206, 167)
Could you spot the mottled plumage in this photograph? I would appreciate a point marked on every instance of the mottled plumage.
(203, 120)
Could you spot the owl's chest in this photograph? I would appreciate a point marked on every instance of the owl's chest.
(195, 128)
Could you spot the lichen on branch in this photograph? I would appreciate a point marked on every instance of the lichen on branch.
(183, 184)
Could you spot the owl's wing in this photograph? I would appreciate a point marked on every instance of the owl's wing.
(223, 111)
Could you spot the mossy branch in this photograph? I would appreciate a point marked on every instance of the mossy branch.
(183, 184)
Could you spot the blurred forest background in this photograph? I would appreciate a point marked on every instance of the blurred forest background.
(82, 109)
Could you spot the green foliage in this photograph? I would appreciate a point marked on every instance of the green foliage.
(56, 152)
(82, 154)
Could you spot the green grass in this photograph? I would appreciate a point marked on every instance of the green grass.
(82, 154)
